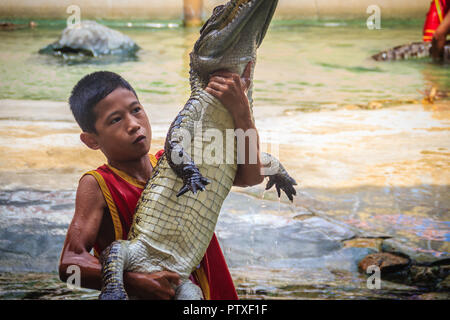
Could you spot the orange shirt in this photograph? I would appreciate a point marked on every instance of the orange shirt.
(122, 193)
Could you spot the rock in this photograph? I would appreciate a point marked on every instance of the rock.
(91, 39)
(444, 285)
(387, 262)
(263, 233)
(371, 243)
(434, 296)
(401, 269)
(425, 276)
(418, 256)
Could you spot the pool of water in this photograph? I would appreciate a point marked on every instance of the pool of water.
(367, 145)
(300, 65)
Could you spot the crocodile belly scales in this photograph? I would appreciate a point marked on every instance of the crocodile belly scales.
(173, 232)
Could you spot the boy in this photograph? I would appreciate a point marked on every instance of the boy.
(112, 120)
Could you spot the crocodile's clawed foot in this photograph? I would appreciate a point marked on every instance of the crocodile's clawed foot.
(283, 182)
(193, 181)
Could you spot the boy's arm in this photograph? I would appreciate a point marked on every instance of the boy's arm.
(440, 38)
(231, 90)
(81, 236)
(248, 174)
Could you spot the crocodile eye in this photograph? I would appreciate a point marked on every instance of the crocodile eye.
(218, 9)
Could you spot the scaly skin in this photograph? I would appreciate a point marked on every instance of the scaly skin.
(178, 209)
(409, 51)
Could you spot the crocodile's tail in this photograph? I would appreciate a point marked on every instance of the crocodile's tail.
(114, 260)
(187, 290)
(404, 52)
(411, 51)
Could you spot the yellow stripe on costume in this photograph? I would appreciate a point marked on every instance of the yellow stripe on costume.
(439, 10)
(153, 160)
(127, 178)
(109, 201)
(202, 280)
(131, 180)
(108, 198)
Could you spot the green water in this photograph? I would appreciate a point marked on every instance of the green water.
(302, 64)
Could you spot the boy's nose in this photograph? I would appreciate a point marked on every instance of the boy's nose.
(133, 126)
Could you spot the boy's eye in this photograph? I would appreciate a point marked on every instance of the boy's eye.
(115, 120)
(136, 110)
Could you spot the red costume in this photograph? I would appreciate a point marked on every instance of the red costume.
(122, 193)
(437, 12)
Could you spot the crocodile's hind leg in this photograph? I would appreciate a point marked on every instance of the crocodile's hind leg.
(114, 260)
(188, 291)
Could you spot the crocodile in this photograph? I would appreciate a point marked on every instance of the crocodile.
(409, 51)
(178, 210)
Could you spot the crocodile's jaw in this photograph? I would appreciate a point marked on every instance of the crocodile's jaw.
(229, 39)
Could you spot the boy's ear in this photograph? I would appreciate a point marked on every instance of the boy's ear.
(90, 140)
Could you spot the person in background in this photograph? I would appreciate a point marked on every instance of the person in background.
(436, 27)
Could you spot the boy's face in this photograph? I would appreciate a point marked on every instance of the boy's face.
(123, 128)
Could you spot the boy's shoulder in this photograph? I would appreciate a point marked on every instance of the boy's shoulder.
(89, 190)
(96, 181)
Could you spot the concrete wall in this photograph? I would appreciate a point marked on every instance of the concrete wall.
(172, 9)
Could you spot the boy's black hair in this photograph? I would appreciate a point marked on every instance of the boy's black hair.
(89, 91)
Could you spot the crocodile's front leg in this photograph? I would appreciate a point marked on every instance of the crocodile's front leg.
(278, 176)
(182, 128)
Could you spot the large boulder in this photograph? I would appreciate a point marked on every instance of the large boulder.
(387, 262)
(91, 39)
(398, 267)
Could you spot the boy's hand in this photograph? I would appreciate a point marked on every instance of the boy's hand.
(151, 286)
(437, 46)
(439, 39)
(231, 90)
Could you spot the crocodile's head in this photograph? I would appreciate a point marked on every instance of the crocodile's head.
(230, 37)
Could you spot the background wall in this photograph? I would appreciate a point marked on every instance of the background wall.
(172, 9)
